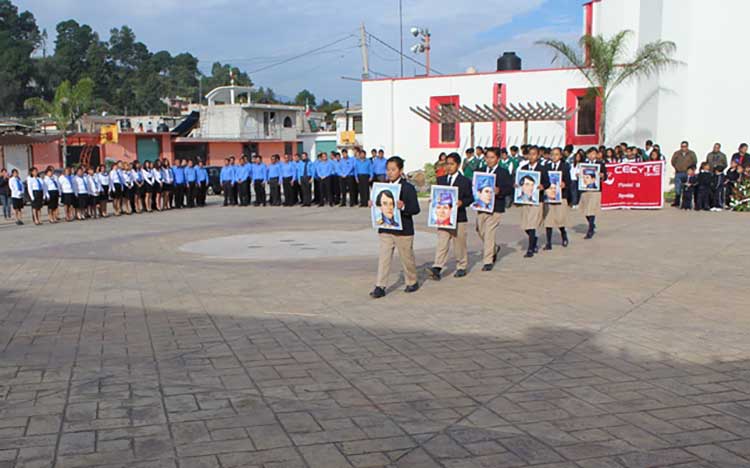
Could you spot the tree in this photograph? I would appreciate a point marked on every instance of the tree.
(71, 48)
(19, 37)
(304, 98)
(606, 67)
(329, 108)
(70, 103)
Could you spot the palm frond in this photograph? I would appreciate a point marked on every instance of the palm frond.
(568, 55)
(649, 60)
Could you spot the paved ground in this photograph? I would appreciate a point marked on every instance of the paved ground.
(121, 347)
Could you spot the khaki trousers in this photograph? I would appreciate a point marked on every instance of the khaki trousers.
(487, 224)
(405, 246)
(458, 236)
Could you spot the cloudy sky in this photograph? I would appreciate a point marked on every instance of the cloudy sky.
(256, 35)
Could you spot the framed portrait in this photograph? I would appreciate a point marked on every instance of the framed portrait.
(588, 177)
(483, 186)
(385, 213)
(553, 194)
(527, 187)
(443, 207)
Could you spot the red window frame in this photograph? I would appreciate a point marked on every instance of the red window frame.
(571, 136)
(499, 129)
(435, 103)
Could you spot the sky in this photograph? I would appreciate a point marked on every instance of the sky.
(255, 35)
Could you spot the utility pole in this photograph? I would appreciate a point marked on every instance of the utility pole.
(401, 33)
(363, 47)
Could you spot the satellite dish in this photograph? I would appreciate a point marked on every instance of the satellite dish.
(415, 32)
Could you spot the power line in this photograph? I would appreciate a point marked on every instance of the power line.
(403, 55)
(304, 54)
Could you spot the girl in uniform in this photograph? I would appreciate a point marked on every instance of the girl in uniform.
(52, 194)
(16, 195)
(94, 191)
(556, 214)
(168, 178)
(532, 215)
(68, 193)
(130, 191)
(103, 178)
(81, 186)
(148, 185)
(139, 187)
(118, 187)
(158, 185)
(591, 201)
(36, 193)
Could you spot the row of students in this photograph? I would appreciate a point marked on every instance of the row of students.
(548, 215)
(293, 180)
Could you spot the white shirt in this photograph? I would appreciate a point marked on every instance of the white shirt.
(65, 184)
(16, 188)
(102, 178)
(167, 175)
(116, 177)
(451, 179)
(34, 184)
(93, 185)
(156, 173)
(81, 185)
(50, 185)
(127, 178)
(148, 176)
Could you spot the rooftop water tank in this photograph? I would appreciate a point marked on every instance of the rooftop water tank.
(509, 61)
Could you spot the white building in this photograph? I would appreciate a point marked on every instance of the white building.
(703, 101)
(349, 126)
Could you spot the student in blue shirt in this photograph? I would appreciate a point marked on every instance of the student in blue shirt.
(190, 179)
(378, 167)
(363, 169)
(316, 180)
(288, 176)
(334, 161)
(179, 183)
(296, 188)
(226, 176)
(201, 178)
(274, 180)
(347, 175)
(235, 192)
(324, 172)
(242, 181)
(305, 171)
(259, 175)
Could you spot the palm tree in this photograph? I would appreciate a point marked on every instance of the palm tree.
(69, 104)
(606, 67)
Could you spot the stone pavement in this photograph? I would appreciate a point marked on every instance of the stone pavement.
(121, 348)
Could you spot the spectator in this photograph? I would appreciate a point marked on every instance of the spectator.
(610, 156)
(440, 169)
(646, 154)
(716, 157)
(681, 160)
(741, 156)
(5, 193)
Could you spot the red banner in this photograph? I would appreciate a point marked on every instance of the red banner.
(634, 185)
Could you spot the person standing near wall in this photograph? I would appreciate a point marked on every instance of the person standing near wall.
(179, 184)
(260, 177)
(5, 193)
(16, 195)
(201, 179)
(681, 160)
(378, 166)
(716, 157)
(364, 175)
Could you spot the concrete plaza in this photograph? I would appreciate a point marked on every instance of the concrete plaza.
(245, 337)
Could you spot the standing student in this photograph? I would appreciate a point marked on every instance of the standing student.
(458, 236)
(235, 190)
(288, 176)
(148, 186)
(179, 184)
(16, 195)
(473, 163)
(365, 175)
(81, 186)
(201, 180)
(94, 192)
(139, 186)
(158, 199)
(241, 176)
(402, 240)
(225, 178)
(167, 177)
(296, 186)
(190, 179)
(347, 172)
(260, 176)
(118, 187)
(324, 170)
(130, 192)
(334, 161)
(304, 176)
(533, 215)
(68, 193)
(51, 194)
(556, 214)
(274, 180)
(487, 223)
(378, 167)
(5, 193)
(36, 194)
(103, 177)
(316, 180)
(591, 201)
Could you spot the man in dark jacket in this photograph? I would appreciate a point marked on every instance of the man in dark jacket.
(487, 223)
(453, 178)
(716, 157)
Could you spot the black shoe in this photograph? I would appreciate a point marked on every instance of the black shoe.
(494, 255)
(488, 267)
(377, 293)
(529, 254)
(412, 288)
(547, 247)
(589, 235)
(19, 223)
(434, 273)
(459, 274)
(565, 242)
(536, 249)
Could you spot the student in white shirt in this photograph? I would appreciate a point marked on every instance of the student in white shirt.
(94, 191)
(16, 195)
(81, 187)
(36, 194)
(168, 177)
(148, 185)
(68, 193)
(52, 195)
(158, 185)
(103, 179)
(117, 180)
(128, 199)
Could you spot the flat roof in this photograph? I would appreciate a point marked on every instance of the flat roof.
(455, 75)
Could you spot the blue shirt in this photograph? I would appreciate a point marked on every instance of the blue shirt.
(346, 167)
(304, 168)
(288, 170)
(335, 167)
(274, 172)
(227, 174)
(364, 167)
(201, 174)
(190, 174)
(179, 175)
(378, 165)
(323, 169)
(258, 172)
(242, 173)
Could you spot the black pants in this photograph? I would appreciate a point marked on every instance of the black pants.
(235, 193)
(297, 192)
(335, 188)
(349, 185)
(227, 188)
(202, 192)
(130, 193)
(704, 202)
(304, 186)
(364, 189)
(191, 194)
(244, 189)
(317, 190)
(326, 192)
(260, 192)
(288, 192)
(179, 196)
(687, 199)
(275, 192)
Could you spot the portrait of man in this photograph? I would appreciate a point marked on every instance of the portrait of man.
(527, 183)
(553, 194)
(385, 214)
(589, 179)
(443, 207)
(484, 192)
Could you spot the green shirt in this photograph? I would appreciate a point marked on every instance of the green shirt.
(473, 165)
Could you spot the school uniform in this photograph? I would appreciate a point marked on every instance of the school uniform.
(532, 216)
(118, 184)
(131, 189)
(67, 189)
(274, 183)
(688, 192)
(379, 168)
(94, 189)
(51, 192)
(733, 178)
(324, 171)
(259, 174)
(304, 176)
(317, 189)
(36, 192)
(458, 235)
(556, 214)
(288, 177)
(178, 172)
(167, 178)
(718, 192)
(591, 200)
(158, 181)
(704, 186)
(201, 181)
(335, 180)
(81, 186)
(148, 179)
(347, 168)
(242, 179)
(103, 179)
(226, 178)
(487, 223)
(403, 240)
(16, 192)
(190, 184)
(363, 170)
